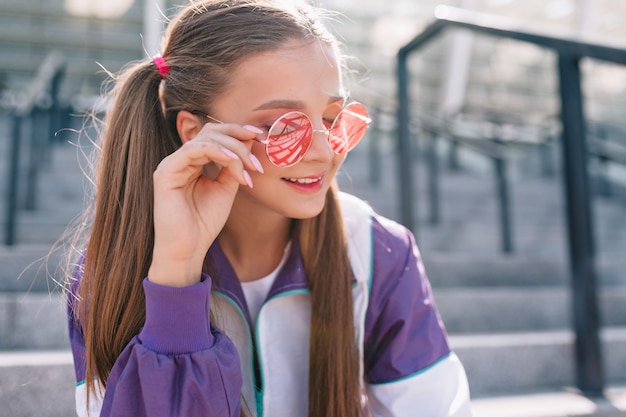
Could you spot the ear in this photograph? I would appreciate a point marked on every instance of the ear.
(188, 125)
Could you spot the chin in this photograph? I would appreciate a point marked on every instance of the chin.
(307, 210)
(306, 214)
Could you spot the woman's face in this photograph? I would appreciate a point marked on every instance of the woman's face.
(301, 77)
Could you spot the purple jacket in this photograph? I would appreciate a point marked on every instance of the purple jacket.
(180, 364)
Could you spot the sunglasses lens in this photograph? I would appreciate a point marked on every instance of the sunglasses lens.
(289, 138)
(348, 128)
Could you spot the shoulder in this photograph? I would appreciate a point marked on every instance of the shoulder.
(386, 245)
(357, 213)
(392, 238)
(389, 240)
(354, 210)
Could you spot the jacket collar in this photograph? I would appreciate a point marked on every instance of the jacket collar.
(290, 277)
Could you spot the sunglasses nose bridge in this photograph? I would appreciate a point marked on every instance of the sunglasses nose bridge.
(324, 131)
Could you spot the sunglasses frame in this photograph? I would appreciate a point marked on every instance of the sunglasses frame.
(327, 131)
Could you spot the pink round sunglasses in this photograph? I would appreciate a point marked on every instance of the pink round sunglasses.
(290, 136)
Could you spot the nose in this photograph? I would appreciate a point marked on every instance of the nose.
(320, 148)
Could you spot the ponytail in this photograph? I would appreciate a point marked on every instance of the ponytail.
(135, 139)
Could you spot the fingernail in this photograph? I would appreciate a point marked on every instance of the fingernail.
(230, 153)
(246, 176)
(253, 129)
(257, 164)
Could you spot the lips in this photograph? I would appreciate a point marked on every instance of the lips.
(308, 184)
(304, 181)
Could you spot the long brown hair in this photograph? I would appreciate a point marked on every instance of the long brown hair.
(201, 46)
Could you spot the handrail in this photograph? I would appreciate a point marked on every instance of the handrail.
(39, 99)
(490, 135)
(513, 29)
(589, 366)
(437, 128)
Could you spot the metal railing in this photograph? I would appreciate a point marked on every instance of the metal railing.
(489, 137)
(39, 110)
(588, 357)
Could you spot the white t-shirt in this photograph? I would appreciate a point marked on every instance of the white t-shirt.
(256, 291)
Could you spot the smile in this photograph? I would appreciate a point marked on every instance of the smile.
(303, 180)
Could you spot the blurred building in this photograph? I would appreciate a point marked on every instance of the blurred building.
(498, 74)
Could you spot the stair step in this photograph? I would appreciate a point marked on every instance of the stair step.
(32, 28)
(32, 321)
(463, 310)
(496, 362)
(460, 269)
(509, 363)
(59, 200)
(27, 378)
(469, 214)
(512, 309)
(30, 268)
(37, 383)
(553, 404)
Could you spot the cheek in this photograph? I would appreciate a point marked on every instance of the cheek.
(337, 161)
(258, 150)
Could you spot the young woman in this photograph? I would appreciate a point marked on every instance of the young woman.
(224, 273)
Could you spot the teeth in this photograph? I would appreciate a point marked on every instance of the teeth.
(303, 180)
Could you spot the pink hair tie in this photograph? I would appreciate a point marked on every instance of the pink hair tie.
(161, 65)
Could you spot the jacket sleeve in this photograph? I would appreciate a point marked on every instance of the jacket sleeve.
(178, 365)
(409, 367)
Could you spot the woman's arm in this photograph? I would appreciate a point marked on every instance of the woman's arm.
(178, 365)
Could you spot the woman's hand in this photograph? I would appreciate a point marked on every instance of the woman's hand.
(193, 198)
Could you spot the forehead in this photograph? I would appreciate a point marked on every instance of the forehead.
(296, 71)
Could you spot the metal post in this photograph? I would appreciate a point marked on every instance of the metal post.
(506, 228)
(56, 111)
(433, 180)
(405, 153)
(13, 178)
(604, 187)
(453, 157)
(38, 121)
(546, 158)
(589, 367)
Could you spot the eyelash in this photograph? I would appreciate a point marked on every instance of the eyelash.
(267, 126)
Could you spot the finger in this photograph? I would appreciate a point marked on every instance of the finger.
(236, 138)
(189, 161)
(239, 132)
(226, 173)
(195, 154)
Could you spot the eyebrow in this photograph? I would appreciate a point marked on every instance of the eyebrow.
(291, 104)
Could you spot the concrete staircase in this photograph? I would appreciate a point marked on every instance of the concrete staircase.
(36, 373)
(30, 29)
(508, 316)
